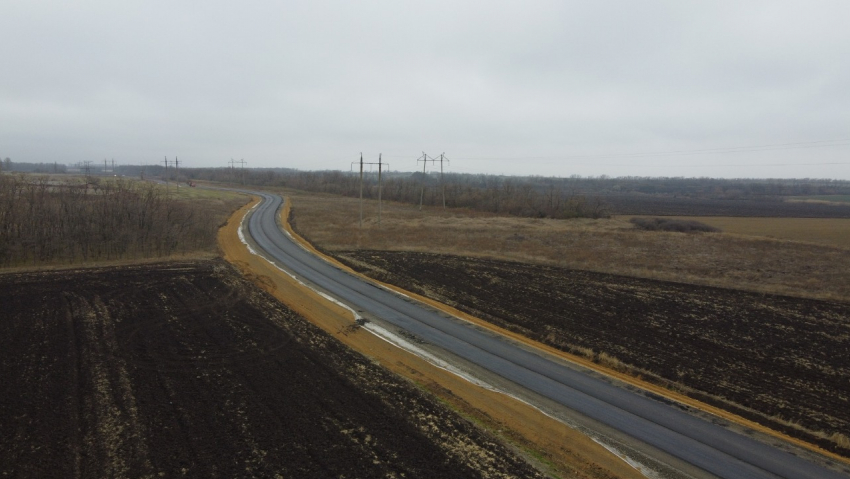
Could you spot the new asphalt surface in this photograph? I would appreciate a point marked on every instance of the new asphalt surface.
(705, 445)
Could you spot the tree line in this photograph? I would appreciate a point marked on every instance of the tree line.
(533, 196)
(504, 195)
(48, 221)
(536, 196)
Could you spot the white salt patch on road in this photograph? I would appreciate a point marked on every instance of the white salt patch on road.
(402, 343)
(641, 468)
(242, 236)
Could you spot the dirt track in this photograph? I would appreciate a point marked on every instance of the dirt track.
(772, 356)
(185, 369)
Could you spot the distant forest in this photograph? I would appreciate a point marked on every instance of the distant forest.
(551, 197)
(531, 196)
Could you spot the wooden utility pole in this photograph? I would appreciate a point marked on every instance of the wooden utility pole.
(442, 184)
(233, 169)
(166, 176)
(424, 159)
(379, 189)
(380, 164)
(361, 190)
(177, 168)
(87, 166)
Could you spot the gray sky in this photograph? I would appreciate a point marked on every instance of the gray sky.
(526, 87)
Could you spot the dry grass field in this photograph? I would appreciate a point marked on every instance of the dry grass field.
(730, 259)
(827, 231)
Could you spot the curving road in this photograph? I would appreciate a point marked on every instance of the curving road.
(700, 443)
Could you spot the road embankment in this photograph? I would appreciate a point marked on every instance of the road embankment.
(543, 438)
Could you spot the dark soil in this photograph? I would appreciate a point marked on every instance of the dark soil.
(762, 356)
(185, 369)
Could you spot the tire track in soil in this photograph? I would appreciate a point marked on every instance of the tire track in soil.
(187, 370)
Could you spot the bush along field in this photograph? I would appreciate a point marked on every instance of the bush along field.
(74, 221)
(778, 360)
(668, 224)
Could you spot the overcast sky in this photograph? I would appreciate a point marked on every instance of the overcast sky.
(663, 88)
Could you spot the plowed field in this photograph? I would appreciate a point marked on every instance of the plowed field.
(186, 370)
(769, 358)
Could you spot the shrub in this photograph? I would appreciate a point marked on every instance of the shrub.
(668, 224)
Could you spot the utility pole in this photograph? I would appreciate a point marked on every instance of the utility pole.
(177, 167)
(166, 175)
(104, 166)
(361, 190)
(233, 169)
(424, 160)
(379, 190)
(87, 166)
(380, 164)
(442, 183)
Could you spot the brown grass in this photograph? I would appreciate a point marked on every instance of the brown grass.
(728, 259)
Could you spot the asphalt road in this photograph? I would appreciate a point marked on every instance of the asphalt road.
(705, 445)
